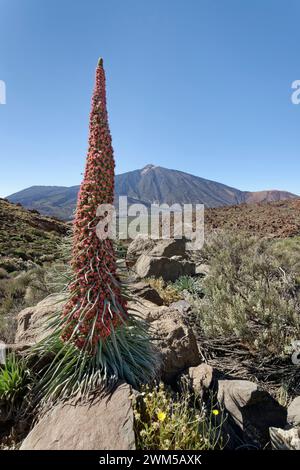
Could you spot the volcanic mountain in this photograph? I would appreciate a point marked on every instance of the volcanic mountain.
(151, 184)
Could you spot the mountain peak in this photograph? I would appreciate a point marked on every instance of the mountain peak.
(147, 168)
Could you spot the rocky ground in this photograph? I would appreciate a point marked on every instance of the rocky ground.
(222, 319)
(274, 220)
(29, 245)
(28, 235)
(246, 407)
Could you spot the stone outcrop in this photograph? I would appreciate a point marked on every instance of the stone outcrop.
(251, 409)
(169, 248)
(200, 378)
(160, 258)
(294, 412)
(139, 246)
(102, 424)
(175, 340)
(143, 290)
(167, 268)
(31, 326)
(285, 439)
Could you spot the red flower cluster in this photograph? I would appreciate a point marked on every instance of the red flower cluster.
(95, 305)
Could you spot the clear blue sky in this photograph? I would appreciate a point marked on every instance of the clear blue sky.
(202, 86)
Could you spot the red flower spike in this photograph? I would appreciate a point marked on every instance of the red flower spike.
(91, 256)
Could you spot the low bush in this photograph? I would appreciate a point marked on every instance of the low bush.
(11, 264)
(23, 290)
(14, 383)
(165, 421)
(190, 284)
(3, 274)
(18, 291)
(252, 292)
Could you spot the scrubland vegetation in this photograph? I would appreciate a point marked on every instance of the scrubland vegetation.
(248, 301)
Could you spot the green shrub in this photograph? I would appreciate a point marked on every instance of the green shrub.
(21, 290)
(167, 422)
(12, 265)
(252, 292)
(14, 381)
(120, 249)
(189, 284)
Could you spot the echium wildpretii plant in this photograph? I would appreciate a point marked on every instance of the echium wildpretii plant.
(95, 341)
(96, 305)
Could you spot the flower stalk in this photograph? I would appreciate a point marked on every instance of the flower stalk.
(94, 341)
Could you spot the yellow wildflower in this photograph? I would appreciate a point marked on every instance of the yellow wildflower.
(161, 415)
(215, 412)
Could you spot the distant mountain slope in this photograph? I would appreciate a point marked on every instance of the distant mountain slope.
(161, 185)
(55, 201)
(267, 196)
(28, 235)
(151, 184)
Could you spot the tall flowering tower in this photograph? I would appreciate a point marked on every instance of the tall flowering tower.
(94, 341)
(96, 304)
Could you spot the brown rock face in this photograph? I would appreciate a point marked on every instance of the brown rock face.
(285, 439)
(166, 258)
(143, 290)
(168, 248)
(252, 409)
(201, 378)
(32, 320)
(102, 424)
(175, 341)
(168, 269)
(139, 246)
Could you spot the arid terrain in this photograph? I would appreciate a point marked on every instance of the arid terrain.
(225, 320)
(26, 234)
(279, 219)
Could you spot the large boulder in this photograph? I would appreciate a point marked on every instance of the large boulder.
(169, 247)
(200, 378)
(31, 321)
(285, 439)
(102, 424)
(294, 412)
(174, 340)
(164, 258)
(251, 409)
(140, 245)
(167, 268)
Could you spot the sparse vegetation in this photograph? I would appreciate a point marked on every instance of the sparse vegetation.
(26, 236)
(279, 219)
(252, 292)
(29, 245)
(20, 290)
(167, 422)
(248, 301)
(14, 383)
(173, 291)
(190, 284)
(167, 291)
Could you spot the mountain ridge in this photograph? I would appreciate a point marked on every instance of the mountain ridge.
(150, 184)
